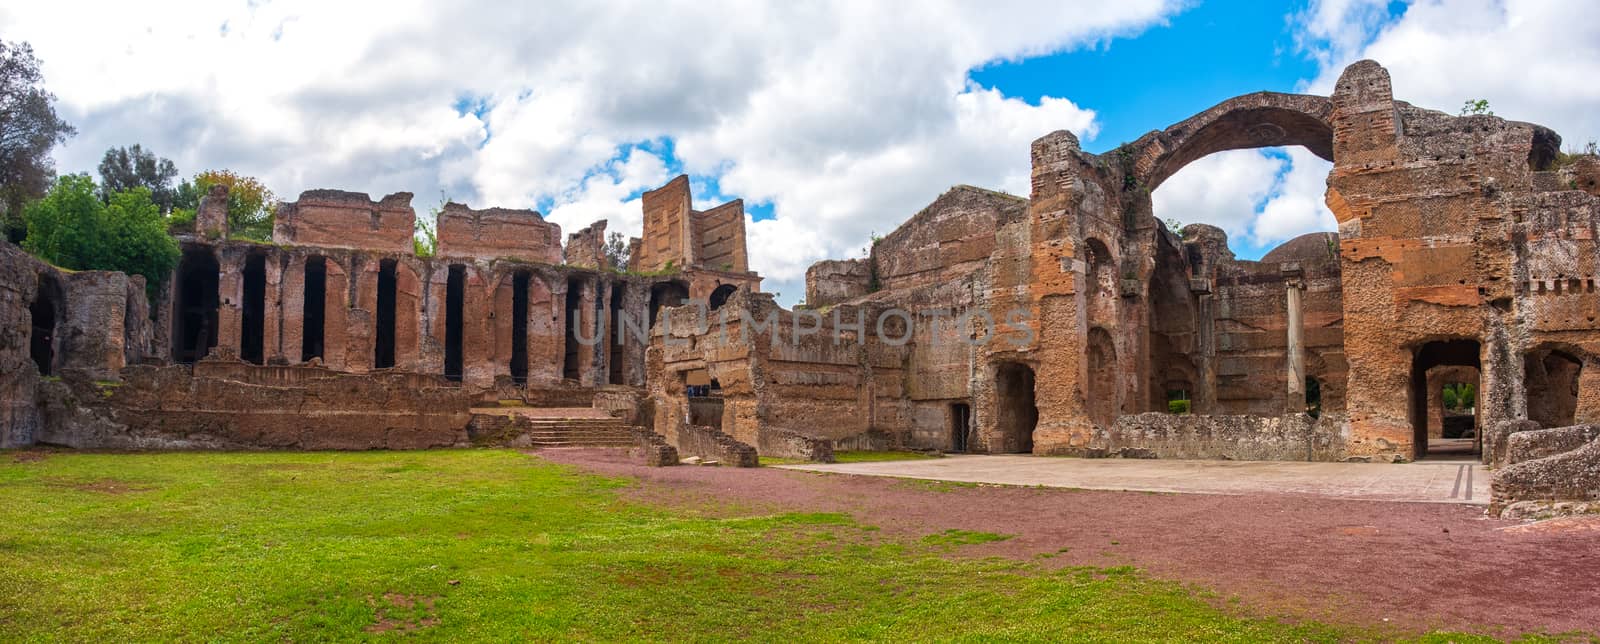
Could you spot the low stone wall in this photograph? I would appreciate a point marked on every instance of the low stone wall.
(786, 444)
(1525, 446)
(170, 408)
(1496, 439)
(867, 441)
(710, 444)
(1569, 477)
(653, 449)
(1293, 437)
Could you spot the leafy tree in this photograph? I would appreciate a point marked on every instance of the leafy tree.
(617, 251)
(1459, 396)
(250, 203)
(72, 228)
(134, 167)
(29, 127)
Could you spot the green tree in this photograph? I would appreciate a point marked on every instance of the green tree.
(425, 236)
(134, 167)
(250, 204)
(617, 251)
(29, 128)
(72, 228)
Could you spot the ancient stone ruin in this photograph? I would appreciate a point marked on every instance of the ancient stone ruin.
(1068, 322)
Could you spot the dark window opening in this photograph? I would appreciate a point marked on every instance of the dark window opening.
(1313, 397)
(252, 322)
(383, 347)
(618, 361)
(194, 321)
(314, 309)
(43, 311)
(571, 315)
(960, 426)
(519, 327)
(454, 304)
(1016, 413)
(666, 294)
(720, 296)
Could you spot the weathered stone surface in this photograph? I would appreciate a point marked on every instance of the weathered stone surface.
(1536, 444)
(339, 219)
(494, 233)
(1292, 437)
(587, 248)
(1572, 476)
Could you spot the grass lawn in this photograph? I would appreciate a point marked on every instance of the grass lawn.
(477, 545)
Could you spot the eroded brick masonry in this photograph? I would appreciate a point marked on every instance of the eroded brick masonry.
(1465, 255)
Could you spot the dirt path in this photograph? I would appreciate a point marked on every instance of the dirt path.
(1423, 566)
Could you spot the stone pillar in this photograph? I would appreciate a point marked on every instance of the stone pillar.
(211, 218)
(1294, 346)
(230, 298)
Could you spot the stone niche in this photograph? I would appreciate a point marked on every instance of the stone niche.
(339, 219)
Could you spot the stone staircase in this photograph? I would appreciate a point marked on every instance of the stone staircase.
(548, 427)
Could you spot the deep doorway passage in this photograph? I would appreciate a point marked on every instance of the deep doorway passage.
(570, 314)
(252, 322)
(194, 321)
(1016, 413)
(454, 306)
(314, 309)
(960, 426)
(519, 327)
(1457, 353)
(617, 362)
(383, 345)
(42, 336)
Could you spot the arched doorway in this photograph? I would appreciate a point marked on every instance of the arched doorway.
(45, 313)
(1440, 353)
(1016, 414)
(194, 319)
(720, 296)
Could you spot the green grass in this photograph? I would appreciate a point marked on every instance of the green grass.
(495, 545)
(964, 538)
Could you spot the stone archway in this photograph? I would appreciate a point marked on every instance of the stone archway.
(1259, 120)
(1016, 410)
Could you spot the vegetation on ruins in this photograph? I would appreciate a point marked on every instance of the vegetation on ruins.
(132, 167)
(488, 544)
(29, 128)
(73, 228)
(425, 236)
(1476, 106)
(250, 203)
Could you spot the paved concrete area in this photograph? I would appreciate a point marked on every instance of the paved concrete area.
(1422, 482)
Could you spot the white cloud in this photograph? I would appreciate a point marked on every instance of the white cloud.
(1533, 60)
(846, 116)
(1260, 198)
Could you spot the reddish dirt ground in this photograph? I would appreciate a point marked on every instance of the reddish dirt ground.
(1408, 565)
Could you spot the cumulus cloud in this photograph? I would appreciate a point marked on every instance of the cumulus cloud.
(844, 117)
(1531, 59)
(1260, 198)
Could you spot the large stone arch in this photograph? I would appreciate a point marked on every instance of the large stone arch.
(1259, 120)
